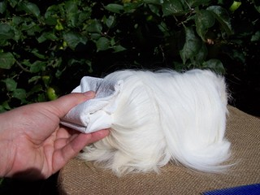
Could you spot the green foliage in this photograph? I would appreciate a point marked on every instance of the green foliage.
(47, 46)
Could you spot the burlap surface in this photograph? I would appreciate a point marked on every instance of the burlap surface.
(243, 130)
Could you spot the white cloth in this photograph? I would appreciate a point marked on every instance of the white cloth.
(94, 114)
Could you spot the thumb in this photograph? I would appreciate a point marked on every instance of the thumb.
(65, 103)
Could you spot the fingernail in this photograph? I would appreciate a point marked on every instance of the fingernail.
(89, 94)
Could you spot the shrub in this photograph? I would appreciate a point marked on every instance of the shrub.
(46, 47)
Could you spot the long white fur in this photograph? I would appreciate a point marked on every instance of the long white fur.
(165, 116)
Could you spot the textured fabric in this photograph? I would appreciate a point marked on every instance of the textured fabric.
(243, 131)
(94, 114)
(253, 189)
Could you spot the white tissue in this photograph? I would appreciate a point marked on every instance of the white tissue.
(94, 114)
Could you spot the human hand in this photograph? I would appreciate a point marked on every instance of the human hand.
(32, 142)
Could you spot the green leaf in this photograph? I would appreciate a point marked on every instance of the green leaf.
(30, 8)
(83, 17)
(191, 46)
(37, 54)
(73, 39)
(31, 28)
(3, 6)
(13, 3)
(116, 8)
(35, 90)
(132, 7)
(51, 93)
(10, 84)
(59, 26)
(237, 55)
(20, 94)
(214, 64)
(172, 7)
(155, 9)
(95, 36)
(2, 110)
(201, 54)
(34, 78)
(102, 44)
(47, 36)
(37, 66)
(4, 107)
(235, 5)
(257, 5)
(72, 14)
(41, 97)
(46, 80)
(110, 21)
(94, 26)
(16, 20)
(157, 2)
(222, 16)
(51, 15)
(195, 3)
(256, 36)
(7, 60)
(118, 48)
(6, 31)
(203, 21)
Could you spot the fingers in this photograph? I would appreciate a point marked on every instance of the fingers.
(67, 102)
(65, 132)
(67, 149)
(84, 139)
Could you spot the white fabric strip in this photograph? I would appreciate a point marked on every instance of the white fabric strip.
(94, 114)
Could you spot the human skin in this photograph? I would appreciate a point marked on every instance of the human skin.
(34, 145)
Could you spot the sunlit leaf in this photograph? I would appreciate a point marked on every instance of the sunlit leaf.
(51, 93)
(235, 5)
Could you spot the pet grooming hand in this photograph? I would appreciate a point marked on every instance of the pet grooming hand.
(33, 144)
